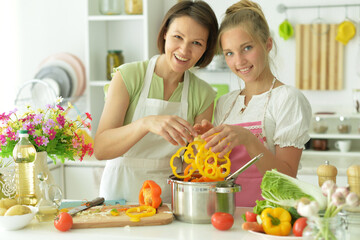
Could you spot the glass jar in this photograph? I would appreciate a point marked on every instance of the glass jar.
(320, 125)
(321, 228)
(110, 7)
(114, 59)
(344, 125)
(133, 6)
(351, 222)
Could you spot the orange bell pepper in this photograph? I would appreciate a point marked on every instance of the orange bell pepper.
(150, 194)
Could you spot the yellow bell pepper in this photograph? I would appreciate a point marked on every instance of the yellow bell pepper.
(141, 211)
(276, 221)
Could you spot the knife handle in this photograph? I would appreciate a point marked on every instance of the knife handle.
(95, 202)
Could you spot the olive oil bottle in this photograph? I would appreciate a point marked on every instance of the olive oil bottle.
(24, 154)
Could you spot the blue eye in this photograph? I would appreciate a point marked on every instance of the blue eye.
(197, 43)
(177, 36)
(228, 53)
(247, 48)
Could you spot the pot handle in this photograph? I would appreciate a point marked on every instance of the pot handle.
(233, 189)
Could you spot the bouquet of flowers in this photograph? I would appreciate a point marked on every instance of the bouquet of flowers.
(49, 130)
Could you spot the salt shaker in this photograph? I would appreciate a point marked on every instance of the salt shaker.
(326, 172)
(353, 174)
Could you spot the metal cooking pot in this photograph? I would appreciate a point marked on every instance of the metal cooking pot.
(196, 202)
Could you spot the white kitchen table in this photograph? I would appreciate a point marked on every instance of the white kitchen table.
(175, 230)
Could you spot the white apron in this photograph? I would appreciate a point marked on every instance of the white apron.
(148, 159)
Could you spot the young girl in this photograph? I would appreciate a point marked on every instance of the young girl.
(266, 116)
(151, 106)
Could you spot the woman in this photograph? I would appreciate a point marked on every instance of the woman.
(151, 106)
(266, 116)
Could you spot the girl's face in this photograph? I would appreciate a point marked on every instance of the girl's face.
(245, 57)
(185, 43)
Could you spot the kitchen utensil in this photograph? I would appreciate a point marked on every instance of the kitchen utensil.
(232, 177)
(286, 31)
(346, 31)
(60, 76)
(104, 220)
(76, 65)
(229, 180)
(95, 202)
(68, 68)
(196, 202)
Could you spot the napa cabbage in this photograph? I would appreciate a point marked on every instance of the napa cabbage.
(281, 189)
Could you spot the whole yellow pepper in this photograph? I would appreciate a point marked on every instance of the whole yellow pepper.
(276, 221)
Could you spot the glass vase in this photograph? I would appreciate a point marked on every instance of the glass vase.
(41, 166)
(322, 228)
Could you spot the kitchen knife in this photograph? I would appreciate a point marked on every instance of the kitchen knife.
(97, 201)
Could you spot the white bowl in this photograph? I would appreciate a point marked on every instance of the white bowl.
(18, 221)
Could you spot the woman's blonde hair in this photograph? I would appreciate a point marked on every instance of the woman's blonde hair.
(250, 17)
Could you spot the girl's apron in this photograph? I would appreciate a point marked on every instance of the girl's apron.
(251, 178)
(149, 158)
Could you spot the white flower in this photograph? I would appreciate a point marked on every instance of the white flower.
(59, 99)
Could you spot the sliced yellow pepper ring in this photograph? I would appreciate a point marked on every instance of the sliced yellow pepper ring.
(216, 169)
(114, 212)
(177, 154)
(141, 211)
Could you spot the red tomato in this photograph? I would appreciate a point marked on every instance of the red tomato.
(299, 226)
(250, 216)
(63, 222)
(222, 221)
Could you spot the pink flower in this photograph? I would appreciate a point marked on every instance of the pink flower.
(39, 141)
(38, 118)
(88, 115)
(3, 140)
(61, 120)
(52, 134)
(60, 107)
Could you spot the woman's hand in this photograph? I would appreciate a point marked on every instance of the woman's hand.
(226, 138)
(173, 128)
(203, 127)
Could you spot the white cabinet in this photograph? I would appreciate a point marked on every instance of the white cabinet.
(135, 35)
(311, 158)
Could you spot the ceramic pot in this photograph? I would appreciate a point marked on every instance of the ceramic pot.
(319, 144)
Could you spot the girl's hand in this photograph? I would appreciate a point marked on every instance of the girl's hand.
(173, 128)
(226, 138)
(203, 127)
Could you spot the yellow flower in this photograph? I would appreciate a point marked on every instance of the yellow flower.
(69, 105)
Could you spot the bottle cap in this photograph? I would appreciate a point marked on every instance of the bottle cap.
(23, 131)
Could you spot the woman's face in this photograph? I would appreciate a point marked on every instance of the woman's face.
(185, 43)
(245, 57)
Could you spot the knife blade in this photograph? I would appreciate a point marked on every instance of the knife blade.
(97, 201)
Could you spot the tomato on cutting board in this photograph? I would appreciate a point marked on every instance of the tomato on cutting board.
(63, 222)
(222, 221)
(299, 226)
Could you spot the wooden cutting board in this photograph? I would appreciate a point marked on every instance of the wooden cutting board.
(101, 218)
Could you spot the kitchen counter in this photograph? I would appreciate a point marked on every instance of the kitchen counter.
(175, 230)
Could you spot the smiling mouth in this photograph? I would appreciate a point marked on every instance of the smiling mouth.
(181, 58)
(245, 70)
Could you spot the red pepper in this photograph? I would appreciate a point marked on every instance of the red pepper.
(150, 194)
